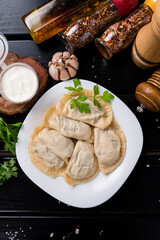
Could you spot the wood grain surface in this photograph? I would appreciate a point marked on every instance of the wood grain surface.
(27, 212)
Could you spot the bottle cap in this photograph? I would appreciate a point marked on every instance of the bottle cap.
(125, 7)
(3, 49)
(151, 4)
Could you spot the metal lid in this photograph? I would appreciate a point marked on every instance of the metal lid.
(3, 48)
(125, 7)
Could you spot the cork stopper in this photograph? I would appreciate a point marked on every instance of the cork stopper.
(148, 93)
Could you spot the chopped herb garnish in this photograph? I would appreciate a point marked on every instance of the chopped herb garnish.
(79, 101)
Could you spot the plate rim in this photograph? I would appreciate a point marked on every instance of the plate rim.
(78, 205)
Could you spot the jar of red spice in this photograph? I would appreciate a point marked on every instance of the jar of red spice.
(82, 31)
(119, 35)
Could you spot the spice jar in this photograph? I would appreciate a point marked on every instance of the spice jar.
(18, 81)
(81, 32)
(119, 35)
(54, 16)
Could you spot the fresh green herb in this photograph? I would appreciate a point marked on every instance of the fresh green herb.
(107, 97)
(79, 101)
(7, 170)
(76, 82)
(8, 135)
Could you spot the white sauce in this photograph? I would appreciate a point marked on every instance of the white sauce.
(19, 84)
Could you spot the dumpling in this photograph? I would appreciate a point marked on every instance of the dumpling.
(43, 156)
(83, 164)
(99, 117)
(62, 146)
(109, 147)
(47, 154)
(66, 126)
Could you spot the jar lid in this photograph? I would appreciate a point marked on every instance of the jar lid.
(151, 4)
(125, 7)
(3, 48)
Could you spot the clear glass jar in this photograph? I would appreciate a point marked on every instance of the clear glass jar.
(19, 82)
(119, 35)
(81, 32)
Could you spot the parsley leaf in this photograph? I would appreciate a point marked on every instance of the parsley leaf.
(76, 82)
(7, 170)
(73, 103)
(107, 97)
(96, 103)
(80, 100)
(70, 88)
(83, 107)
(79, 89)
(96, 90)
(8, 135)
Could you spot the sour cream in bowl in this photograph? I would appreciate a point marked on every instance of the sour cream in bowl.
(18, 83)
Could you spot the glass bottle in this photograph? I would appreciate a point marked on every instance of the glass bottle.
(82, 31)
(52, 17)
(119, 35)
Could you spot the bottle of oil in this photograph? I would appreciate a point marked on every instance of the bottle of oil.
(52, 17)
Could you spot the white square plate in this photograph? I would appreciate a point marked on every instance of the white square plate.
(101, 188)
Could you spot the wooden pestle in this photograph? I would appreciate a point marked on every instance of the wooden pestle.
(148, 93)
(146, 47)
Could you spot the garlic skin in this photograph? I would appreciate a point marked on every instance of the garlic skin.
(63, 66)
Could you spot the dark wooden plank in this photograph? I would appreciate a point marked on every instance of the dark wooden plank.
(139, 194)
(11, 13)
(112, 227)
(119, 75)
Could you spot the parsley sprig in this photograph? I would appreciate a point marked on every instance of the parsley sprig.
(80, 100)
(7, 170)
(8, 135)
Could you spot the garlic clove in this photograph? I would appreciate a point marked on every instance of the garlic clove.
(54, 72)
(60, 62)
(74, 57)
(50, 63)
(66, 55)
(56, 56)
(72, 71)
(72, 63)
(64, 75)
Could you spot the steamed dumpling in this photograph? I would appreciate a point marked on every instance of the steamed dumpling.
(109, 147)
(47, 154)
(83, 165)
(99, 117)
(66, 126)
(43, 155)
(62, 146)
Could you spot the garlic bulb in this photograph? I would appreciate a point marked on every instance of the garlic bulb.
(63, 66)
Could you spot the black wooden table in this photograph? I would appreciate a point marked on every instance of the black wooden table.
(27, 212)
